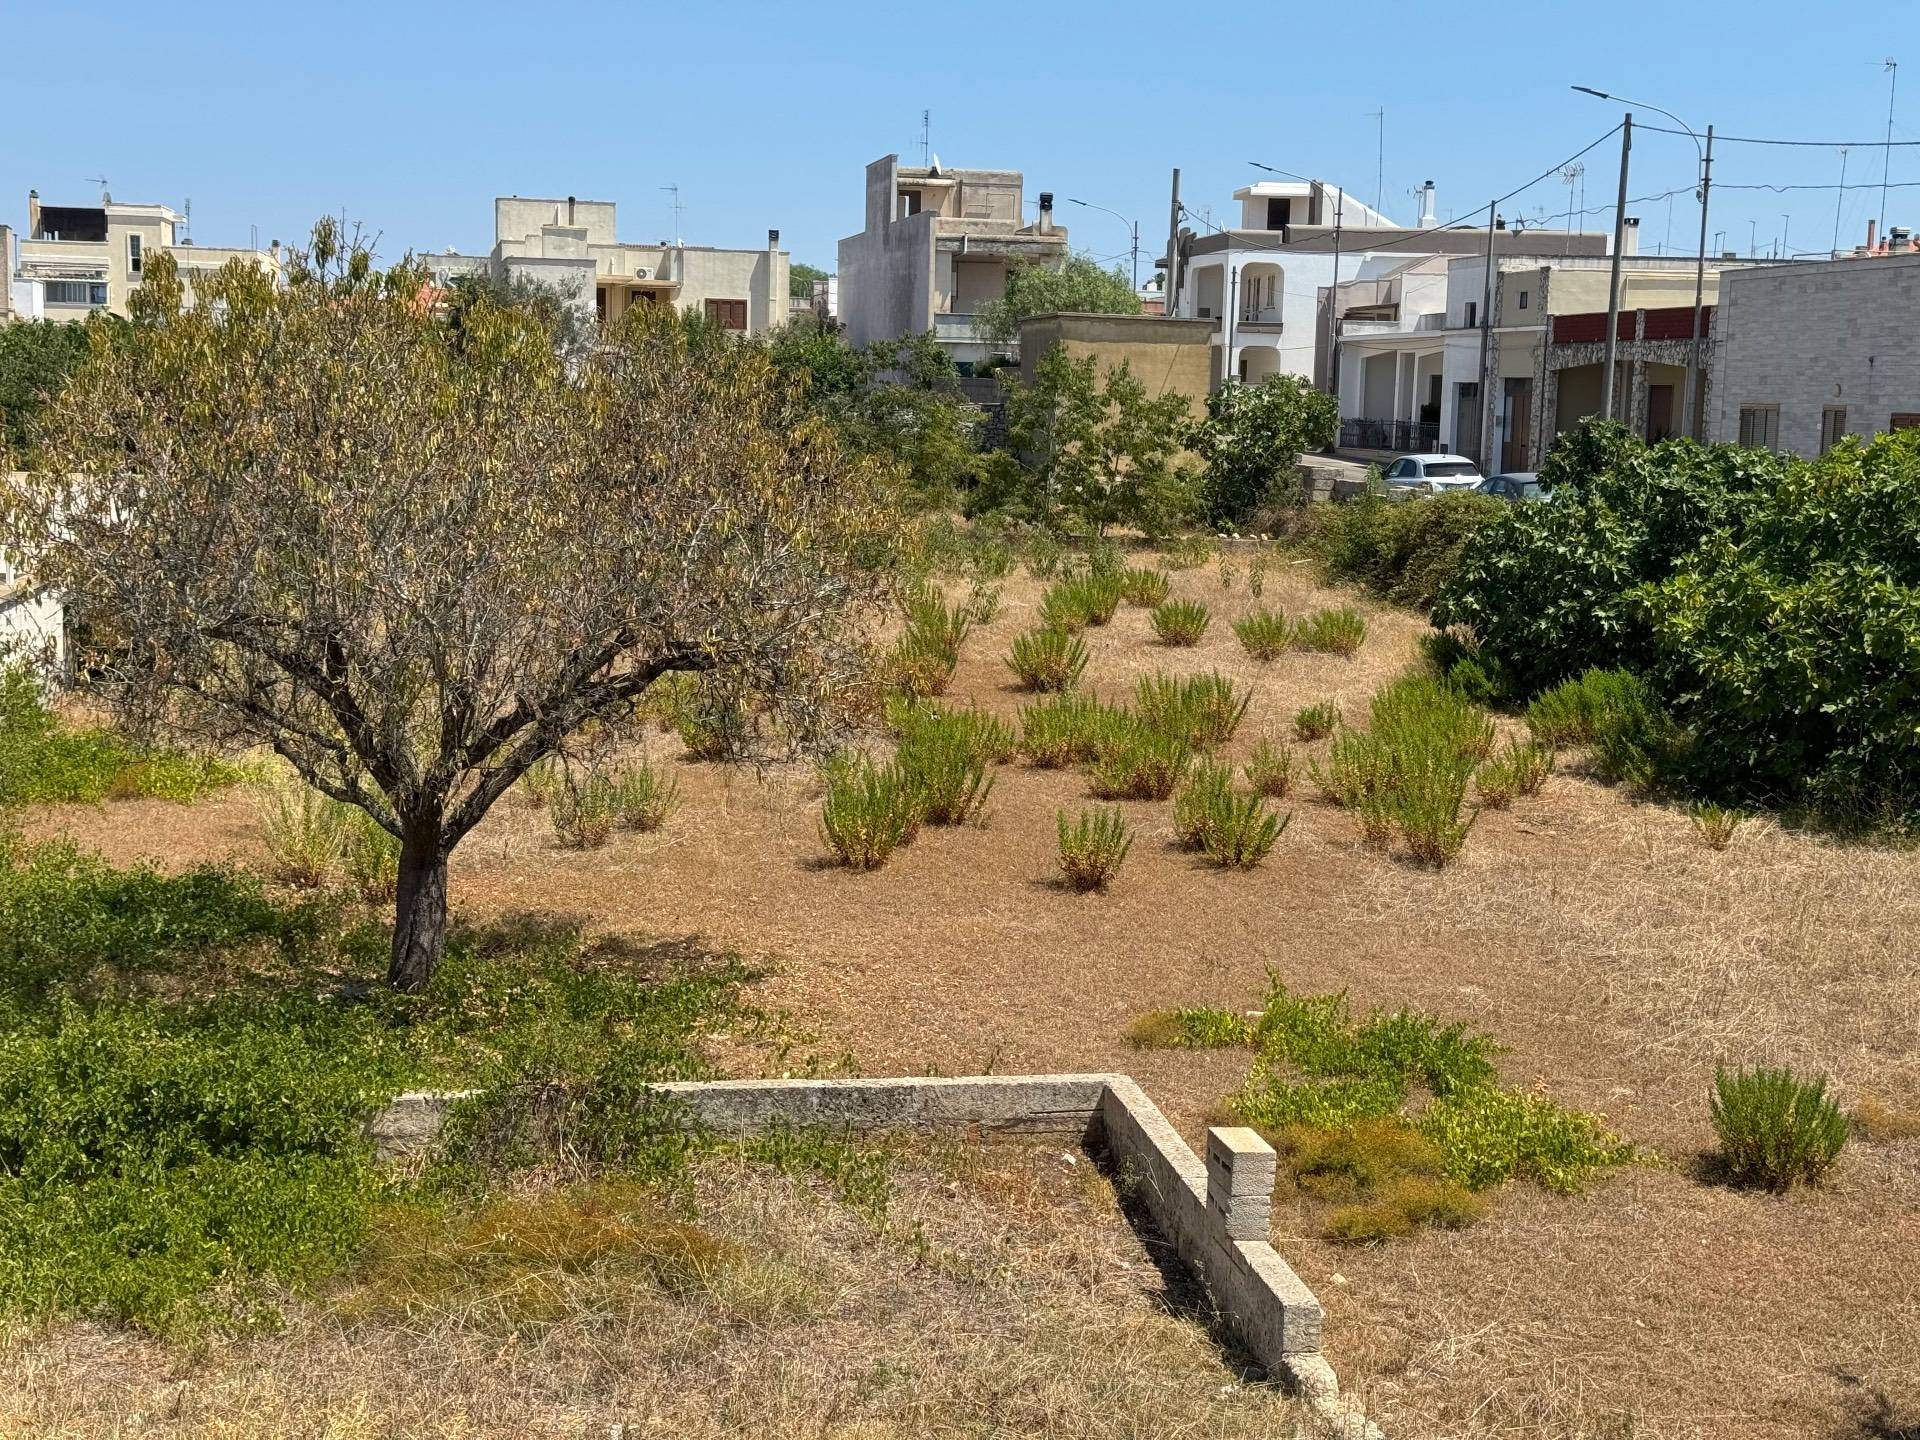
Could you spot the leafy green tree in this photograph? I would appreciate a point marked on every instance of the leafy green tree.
(1078, 287)
(414, 559)
(571, 325)
(1088, 452)
(36, 357)
(800, 280)
(1252, 439)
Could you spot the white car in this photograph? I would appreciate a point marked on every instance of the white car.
(1431, 474)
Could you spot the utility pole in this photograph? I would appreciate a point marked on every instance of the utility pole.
(1613, 280)
(1694, 397)
(1172, 291)
(1333, 298)
(1483, 392)
(1380, 158)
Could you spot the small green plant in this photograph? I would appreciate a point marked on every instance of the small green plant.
(1715, 824)
(542, 780)
(1333, 632)
(1181, 622)
(711, 721)
(1047, 659)
(1241, 831)
(1197, 1028)
(935, 625)
(1144, 588)
(1189, 552)
(372, 858)
(1065, 607)
(647, 797)
(1265, 634)
(983, 603)
(1136, 763)
(1269, 770)
(1092, 848)
(870, 811)
(306, 832)
(1404, 1205)
(585, 808)
(1201, 709)
(1618, 713)
(1776, 1130)
(1316, 722)
(1521, 769)
(1197, 805)
(945, 760)
(1100, 595)
(1044, 555)
(1065, 731)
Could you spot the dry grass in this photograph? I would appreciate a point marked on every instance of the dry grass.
(1006, 1297)
(1616, 957)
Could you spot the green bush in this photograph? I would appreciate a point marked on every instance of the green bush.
(1144, 588)
(1269, 770)
(585, 808)
(1189, 1029)
(944, 759)
(1715, 824)
(1334, 632)
(1092, 848)
(1265, 634)
(1251, 441)
(1316, 722)
(1619, 715)
(1405, 551)
(1201, 710)
(923, 659)
(45, 762)
(1137, 763)
(1201, 798)
(1241, 831)
(1065, 731)
(306, 832)
(647, 796)
(1776, 1130)
(1047, 659)
(713, 722)
(870, 811)
(1180, 622)
(1521, 769)
(371, 858)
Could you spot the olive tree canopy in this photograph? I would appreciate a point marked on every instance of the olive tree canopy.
(413, 557)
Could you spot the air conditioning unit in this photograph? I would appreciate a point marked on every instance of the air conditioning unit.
(642, 274)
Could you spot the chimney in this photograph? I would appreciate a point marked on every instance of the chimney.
(1427, 216)
(773, 239)
(33, 217)
(1870, 237)
(570, 210)
(1045, 227)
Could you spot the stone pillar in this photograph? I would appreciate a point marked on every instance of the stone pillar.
(1241, 1168)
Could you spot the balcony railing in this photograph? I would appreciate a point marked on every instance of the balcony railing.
(953, 327)
(1416, 436)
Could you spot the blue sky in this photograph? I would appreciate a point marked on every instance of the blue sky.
(411, 117)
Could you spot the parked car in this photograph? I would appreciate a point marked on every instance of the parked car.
(1431, 474)
(1514, 485)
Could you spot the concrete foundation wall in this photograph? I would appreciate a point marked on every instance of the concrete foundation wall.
(1166, 356)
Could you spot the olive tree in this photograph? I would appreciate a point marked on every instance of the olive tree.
(413, 558)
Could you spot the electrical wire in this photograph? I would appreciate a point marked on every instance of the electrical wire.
(1720, 139)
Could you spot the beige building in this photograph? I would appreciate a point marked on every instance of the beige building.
(76, 259)
(937, 243)
(1166, 356)
(570, 245)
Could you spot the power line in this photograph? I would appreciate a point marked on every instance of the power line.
(1809, 144)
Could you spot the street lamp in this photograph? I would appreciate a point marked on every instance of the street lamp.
(1133, 227)
(1705, 154)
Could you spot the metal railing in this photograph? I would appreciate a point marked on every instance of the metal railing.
(1408, 435)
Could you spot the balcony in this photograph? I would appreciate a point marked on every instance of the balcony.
(1406, 436)
(955, 329)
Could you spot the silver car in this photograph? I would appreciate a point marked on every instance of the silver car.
(1434, 474)
(1516, 485)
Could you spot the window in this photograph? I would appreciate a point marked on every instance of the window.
(1833, 425)
(1473, 313)
(1399, 470)
(1279, 214)
(76, 292)
(1450, 469)
(1523, 299)
(732, 314)
(1904, 420)
(1760, 425)
(133, 254)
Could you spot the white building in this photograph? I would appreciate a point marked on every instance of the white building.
(569, 245)
(33, 622)
(1810, 352)
(1265, 283)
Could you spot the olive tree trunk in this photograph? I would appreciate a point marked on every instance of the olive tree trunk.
(420, 908)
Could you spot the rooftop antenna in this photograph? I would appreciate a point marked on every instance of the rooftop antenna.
(186, 220)
(1886, 155)
(101, 181)
(674, 190)
(1380, 158)
(926, 135)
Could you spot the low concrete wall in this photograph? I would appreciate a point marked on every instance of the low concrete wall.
(1215, 1213)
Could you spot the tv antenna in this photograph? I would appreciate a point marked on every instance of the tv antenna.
(101, 181)
(926, 135)
(674, 190)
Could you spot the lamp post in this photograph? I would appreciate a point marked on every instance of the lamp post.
(1705, 154)
(1133, 229)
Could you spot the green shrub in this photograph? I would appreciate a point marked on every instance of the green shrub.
(1100, 594)
(1269, 770)
(944, 759)
(43, 761)
(1200, 709)
(585, 808)
(1201, 799)
(1491, 1136)
(306, 832)
(1241, 831)
(1316, 722)
(1136, 763)
(712, 721)
(1092, 848)
(1065, 608)
(1066, 731)
(1189, 1029)
(1265, 634)
(371, 857)
(870, 811)
(1251, 441)
(1618, 714)
(1406, 551)
(1521, 769)
(1180, 622)
(1776, 1130)
(647, 796)
(542, 780)
(937, 626)
(1715, 824)
(1404, 1205)
(1333, 632)
(1047, 659)
(914, 667)
(1144, 588)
